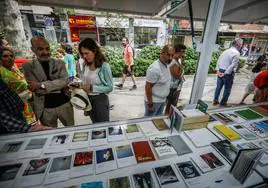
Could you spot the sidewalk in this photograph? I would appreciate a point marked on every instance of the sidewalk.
(130, 104)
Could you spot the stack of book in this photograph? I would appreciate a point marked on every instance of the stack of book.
(194, 119)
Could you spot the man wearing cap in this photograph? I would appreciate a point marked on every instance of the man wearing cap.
(48, 80)
(226, 64)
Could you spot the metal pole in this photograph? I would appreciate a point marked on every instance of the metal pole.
(207, 48)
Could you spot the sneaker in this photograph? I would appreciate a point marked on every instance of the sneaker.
(120, 86)
(133, 87)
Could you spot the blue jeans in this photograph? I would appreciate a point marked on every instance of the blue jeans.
(226, 81)
(158, 109)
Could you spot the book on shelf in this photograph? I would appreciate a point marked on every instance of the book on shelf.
(227, 132)
(179, 145)
(166, 177)
(226, 149)
(162, 147)
(245, 161)
(143, 152)
(119, 182)
(244, 132)
(207, 162)
(201, 137)
(160, 124)
(189, 173)
(257, 128)
(144, 179)
(248, 114)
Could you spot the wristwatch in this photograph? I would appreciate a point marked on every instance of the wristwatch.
(43, 86)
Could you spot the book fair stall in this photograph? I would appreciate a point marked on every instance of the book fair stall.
(189, 148)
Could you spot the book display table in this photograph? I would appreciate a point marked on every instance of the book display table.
(141, 152)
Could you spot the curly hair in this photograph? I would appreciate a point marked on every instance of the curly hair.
(91, 45)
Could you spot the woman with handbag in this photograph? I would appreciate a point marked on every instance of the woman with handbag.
(97, 80)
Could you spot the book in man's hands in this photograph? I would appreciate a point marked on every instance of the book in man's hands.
(245, 162)
(162, 147)
(226, 149)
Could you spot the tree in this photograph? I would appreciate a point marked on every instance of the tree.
(12, 27)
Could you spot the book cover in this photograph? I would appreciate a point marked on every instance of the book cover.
(262, 144)
(247, 145)
(227, 132)
(143, 152)
(166, 176)
(179, 145)
(8, 174)
(34, 173)
(133, 131)
(59, 143)
(105, 160)
(34, 148)
(223, 118)
(142, 180)
(160, 124)
(162, 147)
(148, 128)
(201, 137)
(226, 149)
(115, 133)
(245, 133)
(125, 156)
(82, 164)
(99, 137)
(80, 137)
(248, 114)
(257, 129)
(119, 182)
(262, 125)
(94, 184)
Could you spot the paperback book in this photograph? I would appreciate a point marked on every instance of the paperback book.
(10, 150)
(143, 152)
(8, 174)
(201, 137)
(80, 140)
(226, 149)
(223, 118)
(125, 156)
(59, 143)
(105, 160)
(82, 164)
(99, 137)
(115, 133)
(162, 147)
(119, 182)
(93, 184)
(133, 131)
(166, 177)
(189, 172)
(247, 145)
(160, 124)
(248, 114)
(244, 133)
(179, 145)
(142, 180)
(207, 162)
(149, 129)
(227, 132)
(257, 129)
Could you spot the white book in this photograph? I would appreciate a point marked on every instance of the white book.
(125, 155)
(34, 173)
(82, 164)
(105, 160)
(167, 177)
(192, 113)
(207, 162)
(8, 174)
(245, 133)
(256, 130)
(163, 147)
(201, 137)
(9, 150)
(58, 143)
(133, 131)
(149, 129)
(116, 133)
(34, 148)
(59, 169)
(189, 173)
(79, 140)
(98, 137)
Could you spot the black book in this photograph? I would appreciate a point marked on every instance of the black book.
(226, 149)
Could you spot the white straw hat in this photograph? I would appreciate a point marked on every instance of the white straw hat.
(80, 100)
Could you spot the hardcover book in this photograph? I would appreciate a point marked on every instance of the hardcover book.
(248, 114)
(226, 149)
(227, 132)
(143, 152)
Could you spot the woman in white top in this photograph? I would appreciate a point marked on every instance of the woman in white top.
(97, 80)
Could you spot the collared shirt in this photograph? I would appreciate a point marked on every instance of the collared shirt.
(228, 60)
(159, 75)
(11, 107)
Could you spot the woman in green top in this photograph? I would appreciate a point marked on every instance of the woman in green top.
(97, 79)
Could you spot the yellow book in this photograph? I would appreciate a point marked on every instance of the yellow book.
(227, 132)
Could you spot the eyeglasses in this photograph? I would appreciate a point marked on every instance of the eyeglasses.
(8, 56)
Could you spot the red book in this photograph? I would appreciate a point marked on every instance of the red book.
(265, 107)
(143, 152)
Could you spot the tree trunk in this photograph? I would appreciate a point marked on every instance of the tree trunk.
(12, 26)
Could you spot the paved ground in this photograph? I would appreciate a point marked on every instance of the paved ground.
(130, 104)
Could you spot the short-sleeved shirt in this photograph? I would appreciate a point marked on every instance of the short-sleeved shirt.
(128, 55)
(176, 83)
(159, 75)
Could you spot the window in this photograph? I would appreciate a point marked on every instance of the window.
(144, 36)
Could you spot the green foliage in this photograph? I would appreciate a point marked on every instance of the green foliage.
(115, 58)
(141, 66)
(150, 52)
(53, 50)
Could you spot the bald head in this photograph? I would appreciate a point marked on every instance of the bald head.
(40, 47)
(166, 54)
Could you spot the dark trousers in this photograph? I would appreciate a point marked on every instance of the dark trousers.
(226, 81)
(100, 108)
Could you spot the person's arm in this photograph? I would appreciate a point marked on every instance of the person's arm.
(108, 77)
(151, 78)
(149, 92)
(234, 63)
